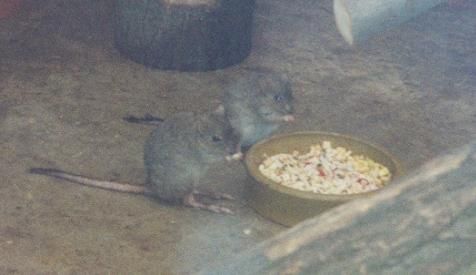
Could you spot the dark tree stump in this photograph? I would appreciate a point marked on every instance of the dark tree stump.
(184, 35)
(423, 224)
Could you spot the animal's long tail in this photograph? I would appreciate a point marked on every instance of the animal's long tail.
(104, 184)
(147, 119)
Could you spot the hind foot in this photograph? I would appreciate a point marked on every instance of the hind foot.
(214, 195)
(191, 201)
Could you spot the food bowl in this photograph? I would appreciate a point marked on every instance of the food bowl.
(288, 206)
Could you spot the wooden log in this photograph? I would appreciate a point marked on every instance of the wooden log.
(424, 224)
(184, 35)
(357, 20)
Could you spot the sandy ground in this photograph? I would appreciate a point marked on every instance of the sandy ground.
(64, 89)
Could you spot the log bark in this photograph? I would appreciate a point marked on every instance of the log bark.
(357, 20)
(424, 224)
(184, 35)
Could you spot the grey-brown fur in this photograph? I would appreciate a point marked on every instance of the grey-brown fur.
(179, 151)
(176, 155)
(255, 106)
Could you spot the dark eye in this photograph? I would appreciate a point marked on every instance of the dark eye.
(216, 138)
(278, 98)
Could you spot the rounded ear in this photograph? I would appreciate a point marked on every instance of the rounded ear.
(266, 81)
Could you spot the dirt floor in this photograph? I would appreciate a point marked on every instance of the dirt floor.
(64, 89)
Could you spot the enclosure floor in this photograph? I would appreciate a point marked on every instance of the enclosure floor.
(64, 89)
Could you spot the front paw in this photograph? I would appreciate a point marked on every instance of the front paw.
(235, 156)
(288, 118)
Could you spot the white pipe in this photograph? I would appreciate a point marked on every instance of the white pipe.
(359, 19)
